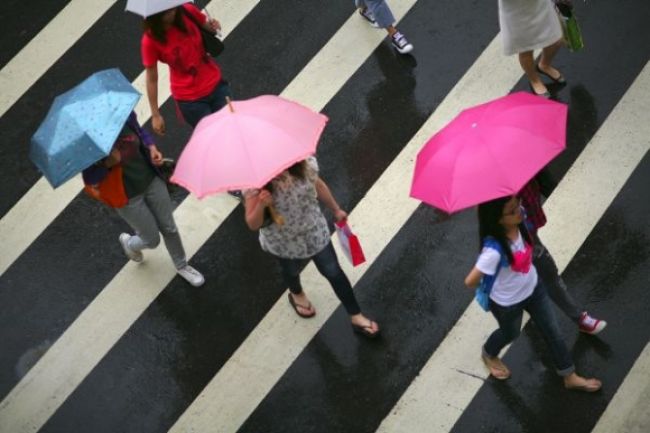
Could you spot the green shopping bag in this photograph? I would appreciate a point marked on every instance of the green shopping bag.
(570, 27)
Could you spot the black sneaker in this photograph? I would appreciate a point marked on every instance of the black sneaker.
(365, 13)
(401, 44)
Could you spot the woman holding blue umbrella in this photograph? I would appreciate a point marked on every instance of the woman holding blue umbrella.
(92, 129)
(129, 180)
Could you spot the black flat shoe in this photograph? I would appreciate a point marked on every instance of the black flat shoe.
(558, 80)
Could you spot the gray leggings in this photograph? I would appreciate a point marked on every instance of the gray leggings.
(150, 213)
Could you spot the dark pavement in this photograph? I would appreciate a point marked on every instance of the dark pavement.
(414, 289)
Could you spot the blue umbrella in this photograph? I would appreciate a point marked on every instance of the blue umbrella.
(82, 125)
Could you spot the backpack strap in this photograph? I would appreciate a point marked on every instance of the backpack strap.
(482, 295)
(491, 242)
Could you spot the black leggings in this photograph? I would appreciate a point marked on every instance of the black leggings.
(328, 265)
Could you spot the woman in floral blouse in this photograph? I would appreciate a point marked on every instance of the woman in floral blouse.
(304, 236)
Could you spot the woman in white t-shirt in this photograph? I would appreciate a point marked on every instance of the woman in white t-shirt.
(507, 253)
(303, 237)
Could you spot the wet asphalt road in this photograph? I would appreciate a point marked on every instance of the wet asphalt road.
(414, 289)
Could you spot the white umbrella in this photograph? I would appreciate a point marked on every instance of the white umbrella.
(147, 8)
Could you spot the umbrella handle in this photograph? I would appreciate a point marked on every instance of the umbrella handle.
(275, 216)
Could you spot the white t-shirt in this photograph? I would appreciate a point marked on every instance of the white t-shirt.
(510, 287)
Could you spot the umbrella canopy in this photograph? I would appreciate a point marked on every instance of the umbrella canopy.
(146, 8)
(489, 151)
(82, 125)
(246, 144)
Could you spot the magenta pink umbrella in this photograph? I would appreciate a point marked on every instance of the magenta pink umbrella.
(246, 144)
(489, 151)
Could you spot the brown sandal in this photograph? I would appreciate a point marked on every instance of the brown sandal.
(366, 330)
(496, 367)
(296, 305)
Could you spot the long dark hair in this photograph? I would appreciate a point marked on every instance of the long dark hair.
(489, 214)
(298, 170)
(155, 25)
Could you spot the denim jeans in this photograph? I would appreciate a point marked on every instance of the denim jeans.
(379, 10)
(328, 265)
(149, 213)
(195, 110)
(541, 311)
(557, 290)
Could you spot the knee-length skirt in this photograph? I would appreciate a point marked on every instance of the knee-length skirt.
(528, 25)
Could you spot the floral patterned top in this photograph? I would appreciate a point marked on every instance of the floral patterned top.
(305, 232)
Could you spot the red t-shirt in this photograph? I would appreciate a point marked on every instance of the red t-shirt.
(192, 73)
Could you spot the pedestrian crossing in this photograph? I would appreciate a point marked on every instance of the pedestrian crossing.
(621, 414)
(85, 332)
(51, 42)
(572, 201)
(232, 396)
(389, 188)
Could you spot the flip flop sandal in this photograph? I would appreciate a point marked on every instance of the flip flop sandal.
(366, 330)
(591, 385)
(558, 80)
(296, 305)
(497, 371)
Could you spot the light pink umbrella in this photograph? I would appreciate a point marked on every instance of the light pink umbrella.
(246, 144)
(489, 151)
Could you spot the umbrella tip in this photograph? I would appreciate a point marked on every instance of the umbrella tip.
(229, 101)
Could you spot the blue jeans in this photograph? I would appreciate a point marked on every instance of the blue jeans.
(379, 10)
(328, 265)
(541, 311)
(195, 110)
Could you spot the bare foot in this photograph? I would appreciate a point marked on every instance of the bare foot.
(579, 383)
(538, 87)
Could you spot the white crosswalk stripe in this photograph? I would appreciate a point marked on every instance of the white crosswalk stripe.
(47, 47)
(628, 412)
(248, 377)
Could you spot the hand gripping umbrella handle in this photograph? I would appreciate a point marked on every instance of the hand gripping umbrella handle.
(275, 216)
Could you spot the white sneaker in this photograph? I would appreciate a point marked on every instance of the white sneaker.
(401, 44)
(191, 275)
(134, 255)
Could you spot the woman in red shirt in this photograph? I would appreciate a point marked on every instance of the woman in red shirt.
(172, 37)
